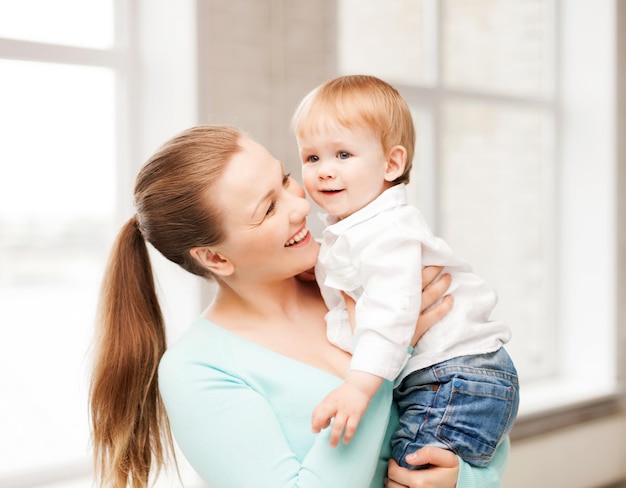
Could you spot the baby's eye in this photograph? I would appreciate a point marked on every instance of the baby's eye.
(343, 155)
(313, 159)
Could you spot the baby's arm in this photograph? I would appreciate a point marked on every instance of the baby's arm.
(434, 288)
(346, 404)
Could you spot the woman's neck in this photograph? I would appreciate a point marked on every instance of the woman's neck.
(287, 318)
(238, 306)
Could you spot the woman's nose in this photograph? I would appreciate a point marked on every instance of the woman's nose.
(300, 207)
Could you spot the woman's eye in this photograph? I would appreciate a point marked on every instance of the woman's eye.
(272, 205)
(343, 155)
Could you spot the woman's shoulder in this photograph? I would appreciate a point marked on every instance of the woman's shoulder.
(202, 346)
(207, 352)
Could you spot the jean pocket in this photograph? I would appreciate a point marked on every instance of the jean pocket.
(478, 416)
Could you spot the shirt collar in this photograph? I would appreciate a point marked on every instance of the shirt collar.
(392, 197)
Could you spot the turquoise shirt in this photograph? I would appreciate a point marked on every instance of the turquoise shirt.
(241, 415)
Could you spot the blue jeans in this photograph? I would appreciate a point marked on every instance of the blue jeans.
(467, 405)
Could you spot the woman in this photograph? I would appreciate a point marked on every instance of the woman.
(239, 387)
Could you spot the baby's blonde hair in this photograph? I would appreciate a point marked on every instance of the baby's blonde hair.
(359, 100)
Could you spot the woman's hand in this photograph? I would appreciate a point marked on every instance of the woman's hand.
(433, 289)
(442, 472)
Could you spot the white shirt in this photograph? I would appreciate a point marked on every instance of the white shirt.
(376, 256)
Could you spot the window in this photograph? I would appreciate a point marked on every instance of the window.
(504, 170)
(75, 128)
(60, 72)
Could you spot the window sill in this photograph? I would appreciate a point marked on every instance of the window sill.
(552, 405)
(71, 474)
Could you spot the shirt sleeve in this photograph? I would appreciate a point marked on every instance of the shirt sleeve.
(233, 438)
(488, 477)
(387, 311)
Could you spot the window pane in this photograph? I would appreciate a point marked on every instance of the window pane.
(387, 42)
(57, 198)
(68, 22)
(495, 45)
(495, 201)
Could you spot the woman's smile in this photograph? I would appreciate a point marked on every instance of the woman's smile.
(301, 237)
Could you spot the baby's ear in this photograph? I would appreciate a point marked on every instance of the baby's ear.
(212, 260)
(396, 163)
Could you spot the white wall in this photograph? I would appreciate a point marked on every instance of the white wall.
(588, 455)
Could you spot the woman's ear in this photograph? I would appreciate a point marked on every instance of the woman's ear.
(396, 163)
(212, 260)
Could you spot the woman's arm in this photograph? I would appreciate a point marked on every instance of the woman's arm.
(233, 436)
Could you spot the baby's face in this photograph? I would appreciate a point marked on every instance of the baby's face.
(343, 169)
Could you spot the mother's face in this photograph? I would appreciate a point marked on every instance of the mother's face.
(265, 218)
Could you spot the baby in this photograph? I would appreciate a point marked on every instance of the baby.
(458, 389)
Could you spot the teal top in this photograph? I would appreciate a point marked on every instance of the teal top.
(241, 415)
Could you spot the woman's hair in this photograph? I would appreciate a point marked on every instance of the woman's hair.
(359, 101)
(131, 432)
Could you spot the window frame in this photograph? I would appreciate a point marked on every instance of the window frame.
(155, 62)
(432, 96)
(562, 391)
(588, 292)
(118, 58)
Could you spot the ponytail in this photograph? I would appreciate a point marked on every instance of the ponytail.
(131, 433)
(130, 427)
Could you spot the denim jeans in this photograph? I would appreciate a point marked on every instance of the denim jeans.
(467, 405)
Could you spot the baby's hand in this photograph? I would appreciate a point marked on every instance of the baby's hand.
(346, 404)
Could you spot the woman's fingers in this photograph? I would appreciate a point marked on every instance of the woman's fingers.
(433, 307)
(432, 316)
(435, 290)
(436, 313)
(434, 456)
(442, 470)
(392, 484)
(429, 273)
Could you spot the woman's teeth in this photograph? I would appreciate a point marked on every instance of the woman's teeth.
(298, 237)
